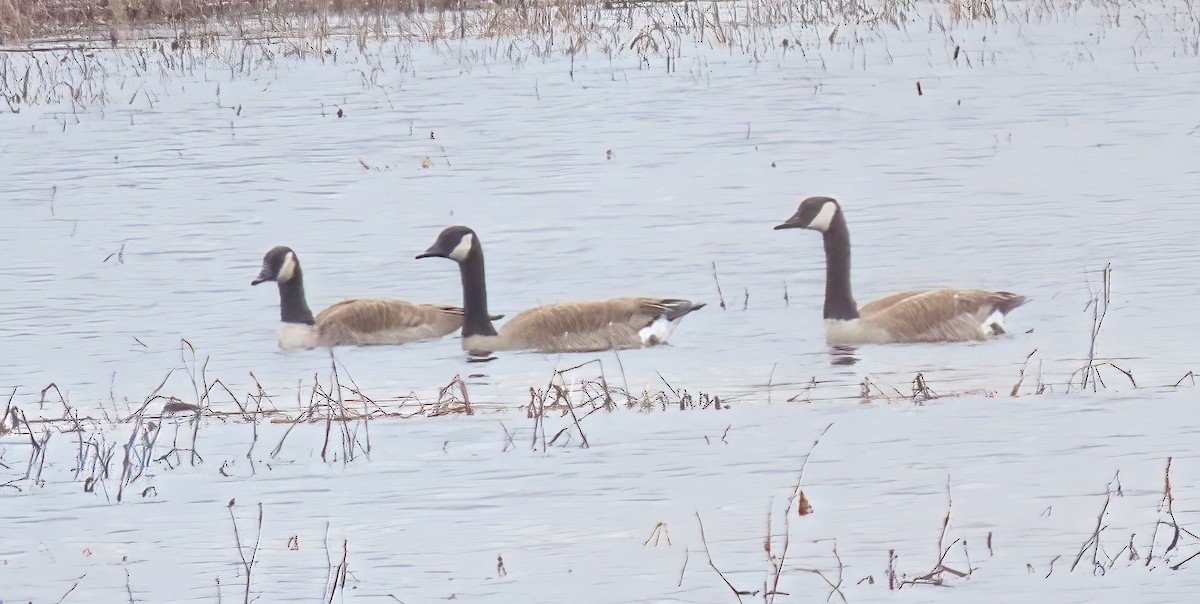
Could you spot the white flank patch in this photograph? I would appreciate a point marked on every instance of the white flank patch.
(990, 323)
(850, 332)
(822, 220)
(288, 269)
(658, 331)
(297, 336)
(463, 248)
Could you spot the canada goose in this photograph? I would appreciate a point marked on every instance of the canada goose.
(357, 322)
(570, 327)
(939, 315)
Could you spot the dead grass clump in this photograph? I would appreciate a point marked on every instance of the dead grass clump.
(570, 25)
(120, 449)
(570, 395)
(23, 19)
(941, 571)
(972, 10)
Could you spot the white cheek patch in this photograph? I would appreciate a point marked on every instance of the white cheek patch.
(824, 218)
(288, 269)
(463, 248)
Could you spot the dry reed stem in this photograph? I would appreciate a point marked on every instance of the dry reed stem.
(338, 579)
(937, 575)
(247, 564)
(658, 533)
(720, 294)
(1167, 506)
(803, 508)
(1093, 540)
(1021, 376)
(1099, 304)
(73, 586)
(834, 588)
(686, 556)
(704, 540)
(972, 10)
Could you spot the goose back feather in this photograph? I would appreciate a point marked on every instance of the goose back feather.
(378, 321)
(619, 323)
(941, 315)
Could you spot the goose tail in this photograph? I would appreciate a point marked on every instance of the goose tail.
(1006, 302)
(676, 309)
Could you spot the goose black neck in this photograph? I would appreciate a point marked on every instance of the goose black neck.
(476, 321)
(839, 301)
(293, 308)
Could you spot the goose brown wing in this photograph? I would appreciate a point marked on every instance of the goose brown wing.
(942, 314)
(360, 316)
(556, 320)
(886, 302)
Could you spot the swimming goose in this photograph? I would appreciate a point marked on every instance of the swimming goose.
(939, 315)
(570, 327)
(356, 322)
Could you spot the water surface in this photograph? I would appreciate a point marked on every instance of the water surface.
(1067, 143)
(131, 226)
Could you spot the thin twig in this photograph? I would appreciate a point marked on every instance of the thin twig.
(736, 592)
(720, 295)
(73, 586)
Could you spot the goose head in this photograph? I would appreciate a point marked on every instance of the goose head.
(814, 213)
(279, 264)
(456, 243)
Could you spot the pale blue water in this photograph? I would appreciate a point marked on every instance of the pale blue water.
(1066, 144)
(1024, 174)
